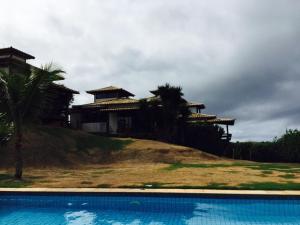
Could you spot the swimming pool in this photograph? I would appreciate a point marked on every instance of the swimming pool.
(75, 209)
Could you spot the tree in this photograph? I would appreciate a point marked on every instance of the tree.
(174, 110)
(5, 129)
(23, 96)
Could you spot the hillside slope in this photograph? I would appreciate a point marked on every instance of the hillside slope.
(59, 147)
(56, 157)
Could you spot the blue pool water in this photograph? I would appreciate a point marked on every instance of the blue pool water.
(138, 210)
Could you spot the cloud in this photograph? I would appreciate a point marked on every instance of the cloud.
(241, 58)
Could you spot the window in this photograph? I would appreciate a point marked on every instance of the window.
(106, 95)
(124, 123)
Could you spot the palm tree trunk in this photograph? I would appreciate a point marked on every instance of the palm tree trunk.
(18, 153)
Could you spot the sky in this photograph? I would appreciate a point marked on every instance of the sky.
(240, 58)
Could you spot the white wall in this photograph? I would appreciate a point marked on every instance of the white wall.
(94, 127)
(113, 123)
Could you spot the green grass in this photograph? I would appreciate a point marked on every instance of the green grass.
(288, 176)
(248, 186)
(85, 141)
(104, 143)
(280, 167)
(7, 181)
(269, 186)
(266, 168)
(176, 166)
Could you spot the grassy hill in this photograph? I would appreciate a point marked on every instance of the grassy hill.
(60, 147)
(57, 157)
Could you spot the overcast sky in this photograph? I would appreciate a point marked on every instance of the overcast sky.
(241, 58)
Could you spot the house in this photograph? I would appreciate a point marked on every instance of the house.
(115, 111)
(14, 61)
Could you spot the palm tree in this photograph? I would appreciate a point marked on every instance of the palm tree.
(174, 109)
(5, 129)
(23, 96)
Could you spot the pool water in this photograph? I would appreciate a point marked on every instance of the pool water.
(140, 210)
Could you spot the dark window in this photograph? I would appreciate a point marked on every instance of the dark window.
(106, 95)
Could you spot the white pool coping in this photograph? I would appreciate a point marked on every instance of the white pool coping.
(151, 191)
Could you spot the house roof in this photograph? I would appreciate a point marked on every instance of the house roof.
(110, 102)
(14, 51)
(189, 104)
(119, 109)
(223, 121)
(210, 119)
(110, 89)
(64, 88)
(195, 104)
(201, 116)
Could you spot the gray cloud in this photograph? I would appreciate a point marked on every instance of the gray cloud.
(241, 58)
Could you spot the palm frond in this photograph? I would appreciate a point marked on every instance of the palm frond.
(37, 94)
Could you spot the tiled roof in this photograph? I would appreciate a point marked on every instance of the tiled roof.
(201, 116)
(119, 109)
(113, 101)
(61, 86)
(109, 89)
(14, 51)
(191, 104)
(225, 121)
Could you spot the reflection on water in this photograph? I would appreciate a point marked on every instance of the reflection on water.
(110, 217)
(80, 218)
(104, 210)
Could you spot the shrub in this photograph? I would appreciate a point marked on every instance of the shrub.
(284, 149)
(205, 137)
(288, 146)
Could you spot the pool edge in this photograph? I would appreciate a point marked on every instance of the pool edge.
(200, 192)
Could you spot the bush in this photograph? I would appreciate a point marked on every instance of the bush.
(284, 149)
(288, 146)
(257, 151)
(205, 137)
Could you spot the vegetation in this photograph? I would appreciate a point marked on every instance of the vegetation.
(5, 129)
(84, 142)
(134, 163)
(58, 110)
(283, 149)
(266, 168)
(165, 114)
(46, 146)
(174, 110)
(24, 96)
(206, 137)
(7, 181)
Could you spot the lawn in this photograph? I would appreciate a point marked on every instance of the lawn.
(208, 175)
(57, 157)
